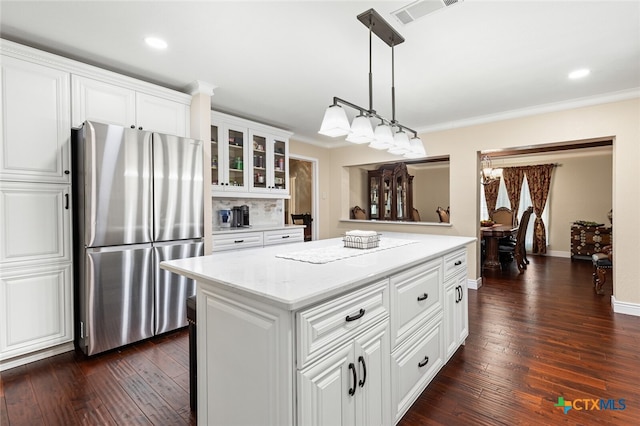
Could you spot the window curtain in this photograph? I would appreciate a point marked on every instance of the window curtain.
(513, 183)
(491, 195)
(539, 180)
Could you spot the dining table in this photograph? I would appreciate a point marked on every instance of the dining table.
(491, 236)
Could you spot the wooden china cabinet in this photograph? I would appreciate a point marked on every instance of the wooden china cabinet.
(390, 193)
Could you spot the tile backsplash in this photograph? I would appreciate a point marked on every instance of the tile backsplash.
(267, 212)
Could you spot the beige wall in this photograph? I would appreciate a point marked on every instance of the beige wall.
(430, 190)
(621, 120)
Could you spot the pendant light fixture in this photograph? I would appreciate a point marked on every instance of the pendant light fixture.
(487, 173)
(336, 123)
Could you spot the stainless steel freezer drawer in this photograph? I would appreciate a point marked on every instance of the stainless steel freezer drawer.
(118, 296)
(172, 290)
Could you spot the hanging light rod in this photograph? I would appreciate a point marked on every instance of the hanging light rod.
(335, 122)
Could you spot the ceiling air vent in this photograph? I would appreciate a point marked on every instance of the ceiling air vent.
(420, 8)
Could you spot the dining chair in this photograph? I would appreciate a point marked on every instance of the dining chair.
(415, 215)
(503, 216)
(303, 219)
(358, 213)
(443, 214)
(516, 249)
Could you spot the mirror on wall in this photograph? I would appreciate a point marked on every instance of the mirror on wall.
(404, 191)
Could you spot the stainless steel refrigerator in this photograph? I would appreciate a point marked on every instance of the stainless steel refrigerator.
(138, 201)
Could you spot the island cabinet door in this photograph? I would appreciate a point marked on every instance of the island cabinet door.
(245, 362)
(350, 385)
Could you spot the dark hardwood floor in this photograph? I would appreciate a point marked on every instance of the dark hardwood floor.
(533, 338)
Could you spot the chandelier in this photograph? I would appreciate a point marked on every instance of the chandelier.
(487, 173)
(388, 134)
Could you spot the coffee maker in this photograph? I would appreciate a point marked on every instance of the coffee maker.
(245, 215)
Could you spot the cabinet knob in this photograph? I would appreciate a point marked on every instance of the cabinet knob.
(133, 126)
(66, 172)
(140, 128)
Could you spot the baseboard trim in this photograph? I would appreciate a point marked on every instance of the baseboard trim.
(474, 284)
(625, 307)
(558, 253)
(35, 356)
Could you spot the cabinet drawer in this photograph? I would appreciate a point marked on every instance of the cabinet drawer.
(326, 326)
(283, 236)
(416, 295)
(236, 240)
(455, 262)
(414, 364)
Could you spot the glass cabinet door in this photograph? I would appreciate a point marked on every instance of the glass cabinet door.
(259, 161)
(401, 198)
(280, 165)
(215, 153)
(374, 197)
(235, 160)
(388, 197)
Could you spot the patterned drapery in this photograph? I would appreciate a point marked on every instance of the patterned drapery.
(539, 179)
(491, 195)
(513, 177)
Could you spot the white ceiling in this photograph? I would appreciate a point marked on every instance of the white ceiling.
(281, 63)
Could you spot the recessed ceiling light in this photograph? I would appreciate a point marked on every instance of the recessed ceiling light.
(579, 73)
(156, 43)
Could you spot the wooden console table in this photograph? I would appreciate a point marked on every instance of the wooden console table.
(587, 240)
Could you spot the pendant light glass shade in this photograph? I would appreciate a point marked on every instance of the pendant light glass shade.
(417, 148)
(400, 143)
(335, 122)
(383, 137)
(361, 130)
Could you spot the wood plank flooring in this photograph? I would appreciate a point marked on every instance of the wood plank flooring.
(533, 338)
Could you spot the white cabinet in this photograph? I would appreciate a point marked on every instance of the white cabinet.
(236, 240)
(36, 223)
(34, 116)
(413, 364)
(350, 385)
(36, 308)
(113, 104)
(229, 153)
(248, 159)
(456, 304)
(283, 236)
(357, 358)
(233, 240)
(245, 354)
(269, 164)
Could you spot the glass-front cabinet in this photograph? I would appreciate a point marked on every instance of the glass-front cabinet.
(269, 164)
(390, 193)
(228, 158)
(247, 158)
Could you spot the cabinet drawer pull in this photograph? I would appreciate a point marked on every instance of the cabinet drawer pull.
(352, 367)
(423, 297)
(356, 316)
(364, 371)
(458, 263)
(238, 241)
(424, 362)
(286, 236)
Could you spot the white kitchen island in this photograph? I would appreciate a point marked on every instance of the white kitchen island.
(350, 341)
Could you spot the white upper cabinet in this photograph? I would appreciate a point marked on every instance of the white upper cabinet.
(248, 159)
(35, 128)
(96, 100)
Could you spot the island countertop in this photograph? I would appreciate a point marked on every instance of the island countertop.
(292, 284)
